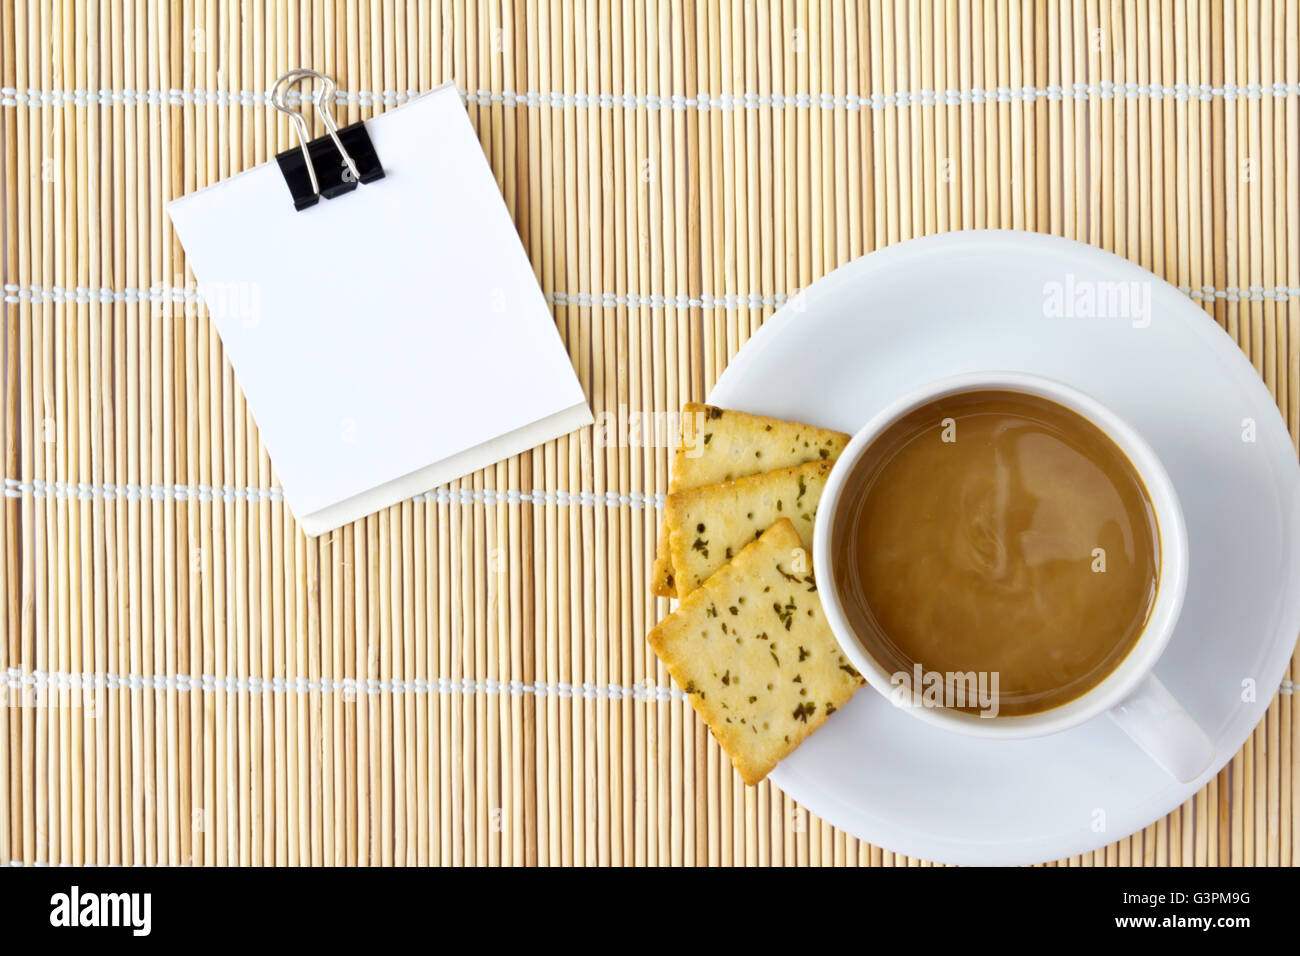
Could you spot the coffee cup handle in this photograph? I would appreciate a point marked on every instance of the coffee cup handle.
(1159, 725)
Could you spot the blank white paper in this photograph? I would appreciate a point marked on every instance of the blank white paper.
(388, 340)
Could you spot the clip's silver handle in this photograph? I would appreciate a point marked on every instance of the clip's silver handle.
(324, 101)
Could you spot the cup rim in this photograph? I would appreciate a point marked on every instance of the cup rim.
(1173, 561)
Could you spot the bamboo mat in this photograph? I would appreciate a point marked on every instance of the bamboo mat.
(463, 678)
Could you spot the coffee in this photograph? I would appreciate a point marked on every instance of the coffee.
(995, 532)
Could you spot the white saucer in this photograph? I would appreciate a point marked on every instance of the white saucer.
(960, 302)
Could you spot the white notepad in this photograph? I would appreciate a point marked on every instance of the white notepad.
(392, 338)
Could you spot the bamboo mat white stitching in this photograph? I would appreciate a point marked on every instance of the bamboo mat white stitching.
(36, 680)
(975, 96)
(163, 294)
(17, 679)
(86, 491)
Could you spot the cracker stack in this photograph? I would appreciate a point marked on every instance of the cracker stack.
(720, 445)
(749, 643)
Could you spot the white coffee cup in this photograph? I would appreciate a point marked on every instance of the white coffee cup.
(1131, 694)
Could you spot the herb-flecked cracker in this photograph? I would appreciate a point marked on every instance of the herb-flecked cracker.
(709, 525)
(753, 652)
(721, 445)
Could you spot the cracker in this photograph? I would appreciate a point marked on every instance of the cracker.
(721, 445)
(753, 652)
(709, 525)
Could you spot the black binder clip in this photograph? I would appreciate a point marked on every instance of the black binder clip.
(332, 164)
